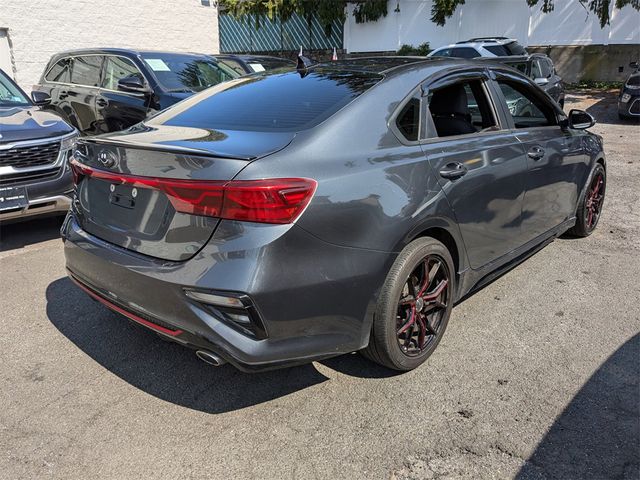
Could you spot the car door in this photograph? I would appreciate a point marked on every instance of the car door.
(481, 171)
(117, 109)
(81, 94)
(555, 156)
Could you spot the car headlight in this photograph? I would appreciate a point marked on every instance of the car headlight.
(632, 87)
(69, 142)
(625, 98)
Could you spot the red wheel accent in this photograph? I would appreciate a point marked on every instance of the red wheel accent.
(595, 198)
(422, 305)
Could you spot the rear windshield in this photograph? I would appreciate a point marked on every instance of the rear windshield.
(187, 73)
(277, 101)
(511, 48)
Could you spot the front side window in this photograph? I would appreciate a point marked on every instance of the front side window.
(117, 68)
(10, 94)
(60, 72)
(408, 120)
(526, 109)
(178, 72)
(461, 108)
(465, 53)
(86, 70)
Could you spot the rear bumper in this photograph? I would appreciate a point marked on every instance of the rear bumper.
(315, 299)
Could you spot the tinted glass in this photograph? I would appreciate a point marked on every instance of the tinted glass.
(408, 120)
(86, 70)
(116, 68)
(464, 53)
(262, 63)
(60, 72)
(526, 109)
(233, 65)
(187, 73)
(546, 68)
(512, 48)
(536, 71)
(443, 53)
(10, 95)
(270, 102)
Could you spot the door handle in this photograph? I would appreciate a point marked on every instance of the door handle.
(453, 170)
(101, 102)
(536, 153)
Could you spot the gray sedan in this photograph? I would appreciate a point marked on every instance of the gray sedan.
(301, 214)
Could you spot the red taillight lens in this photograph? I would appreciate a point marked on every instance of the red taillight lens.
(277, 200)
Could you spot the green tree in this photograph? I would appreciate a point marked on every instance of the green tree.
(327, 11)
(443, 9)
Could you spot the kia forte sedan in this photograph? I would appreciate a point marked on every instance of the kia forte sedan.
(296, 215)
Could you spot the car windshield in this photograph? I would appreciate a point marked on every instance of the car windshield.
(271, 102)
(260, 64)
(187, 73)
(10, 94)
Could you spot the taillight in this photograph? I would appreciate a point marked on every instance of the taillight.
(274, 200)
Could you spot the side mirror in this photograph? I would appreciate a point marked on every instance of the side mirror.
(40, 98)
(541, 81)
(132, 83)
(580, 120)
(634, 65)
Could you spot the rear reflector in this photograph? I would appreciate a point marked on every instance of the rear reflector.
(274, 200)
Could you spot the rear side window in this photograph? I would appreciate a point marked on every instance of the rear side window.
(443, 53)
(86, 70)
(527, 109)
(275, 102)
(508, 49)
(116, 68)
(461, 108)
(60, 72)
(408, 120)
(465, 53)
(546, 69)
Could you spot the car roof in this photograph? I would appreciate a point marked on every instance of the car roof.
(122, 51)
(379, 64)
(479, 42)
(248, 56)
(512, 58)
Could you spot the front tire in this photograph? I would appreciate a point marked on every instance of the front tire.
(590, 206)
(414, 306)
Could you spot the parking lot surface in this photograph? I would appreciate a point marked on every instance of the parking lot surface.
(536, 377)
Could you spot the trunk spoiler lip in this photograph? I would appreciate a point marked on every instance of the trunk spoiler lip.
(170, 148)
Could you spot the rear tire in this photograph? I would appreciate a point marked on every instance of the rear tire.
(590, 205)
(414, 306)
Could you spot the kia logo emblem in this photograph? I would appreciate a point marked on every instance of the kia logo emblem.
(107, 158)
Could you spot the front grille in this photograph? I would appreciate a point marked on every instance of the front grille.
(27, 177)
(31, 156)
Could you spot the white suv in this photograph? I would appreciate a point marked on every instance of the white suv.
(481, 47)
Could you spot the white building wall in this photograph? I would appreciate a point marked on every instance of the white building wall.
(569, 24)
(39, 29)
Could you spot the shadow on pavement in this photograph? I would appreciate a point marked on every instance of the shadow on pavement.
(22, 234)
(604, 106)
(598, 434)
(171, 372)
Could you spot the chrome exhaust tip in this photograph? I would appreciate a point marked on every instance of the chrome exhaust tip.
(210, 358)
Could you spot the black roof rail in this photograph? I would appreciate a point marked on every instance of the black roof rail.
(485, 39)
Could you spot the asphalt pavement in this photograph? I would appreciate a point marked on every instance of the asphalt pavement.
(537, 375)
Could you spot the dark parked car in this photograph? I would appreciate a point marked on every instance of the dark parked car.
(110, 89)
(245, 64)
(540, 69)
(629, 98)
(290, 216)
(35, 177)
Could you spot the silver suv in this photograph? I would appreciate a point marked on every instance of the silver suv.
(481, 47)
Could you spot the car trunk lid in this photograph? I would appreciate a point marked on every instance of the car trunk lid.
(129, 186)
